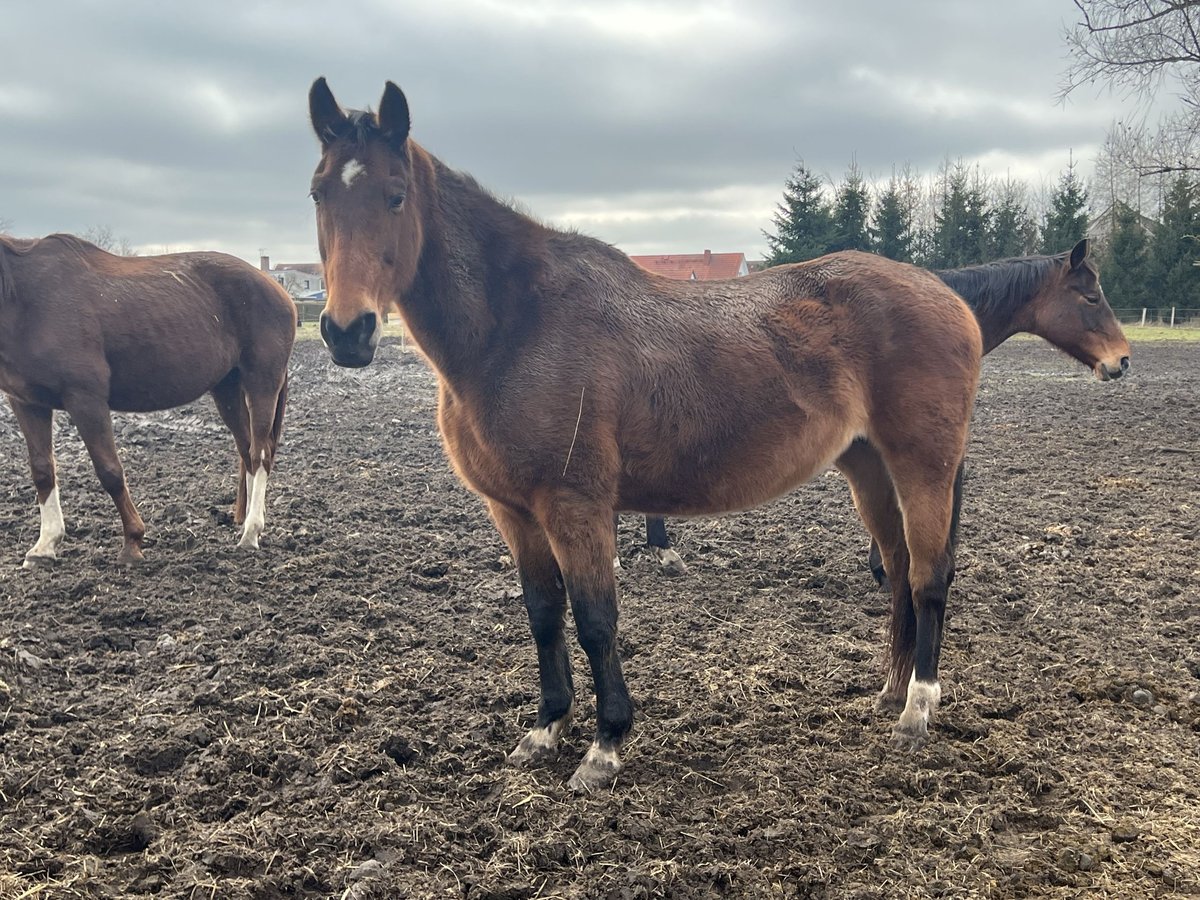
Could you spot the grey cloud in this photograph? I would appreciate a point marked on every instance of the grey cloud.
(187, 126)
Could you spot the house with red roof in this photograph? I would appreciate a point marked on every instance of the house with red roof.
(706, 266)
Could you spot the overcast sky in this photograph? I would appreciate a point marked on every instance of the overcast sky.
(664, 126)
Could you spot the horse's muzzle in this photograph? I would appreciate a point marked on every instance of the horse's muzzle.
(352, 346)
(1108, 372)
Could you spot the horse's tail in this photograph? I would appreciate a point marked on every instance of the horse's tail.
(8, 284)
(277, 425)
(955, 515)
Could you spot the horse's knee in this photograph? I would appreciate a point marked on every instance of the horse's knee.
(43, 479)
(597, 629)
(112, 478)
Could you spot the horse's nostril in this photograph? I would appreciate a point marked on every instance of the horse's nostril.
(1124, 363)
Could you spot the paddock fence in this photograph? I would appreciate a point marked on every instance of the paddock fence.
(1159, 317)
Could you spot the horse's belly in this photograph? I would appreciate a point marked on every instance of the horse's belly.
(161, 384)
(746, 474)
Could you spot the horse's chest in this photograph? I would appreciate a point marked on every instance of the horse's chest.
(477, 457)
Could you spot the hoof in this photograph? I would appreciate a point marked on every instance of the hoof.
(130, 555)
(597, 771)
(908, 737)
(534, 750)
(670, 562)
(33, 560)
(248, 542)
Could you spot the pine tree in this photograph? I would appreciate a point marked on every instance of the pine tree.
(851, 213)
(961, 220)
(892, 224)
(803, 220)
(1171, 278)
(1066, 221)
(1123, 268)
(1011, 229)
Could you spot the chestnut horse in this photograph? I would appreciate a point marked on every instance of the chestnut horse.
(87, 332)
(1057, 298)
(573, 383)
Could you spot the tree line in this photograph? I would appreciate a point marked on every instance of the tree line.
(1145, 243)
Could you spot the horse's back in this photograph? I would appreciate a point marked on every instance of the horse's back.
(155, 331)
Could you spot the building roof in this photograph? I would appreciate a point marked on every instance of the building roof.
(706, 266)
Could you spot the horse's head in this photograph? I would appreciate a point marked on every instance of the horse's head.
(1072, 313)
(368, 221)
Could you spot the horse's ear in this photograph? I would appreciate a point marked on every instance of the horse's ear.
(394, 120)
(1079, 253)
(328, 120)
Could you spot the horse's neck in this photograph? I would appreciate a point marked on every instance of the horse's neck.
(997, 321)
(995, 330)
(450, 306)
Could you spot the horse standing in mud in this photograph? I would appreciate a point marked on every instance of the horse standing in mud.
(88, 332)
(573, 384)
(1058, 298)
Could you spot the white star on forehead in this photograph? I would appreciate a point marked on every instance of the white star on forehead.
(351, 171)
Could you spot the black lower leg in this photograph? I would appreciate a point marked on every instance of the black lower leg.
(545, 602)
(595, 611)
(656, 533)
(930, 603)
(875, 563)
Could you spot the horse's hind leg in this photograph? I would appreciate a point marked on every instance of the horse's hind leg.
(93, 421)
(657, 540)
(265, 403)
(231, 407)
(37, 425)
(875, 499)
(928, 492)
(546, 603)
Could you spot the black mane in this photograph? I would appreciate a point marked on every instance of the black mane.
(997, 290)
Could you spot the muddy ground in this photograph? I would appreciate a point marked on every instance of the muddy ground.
(329, 717)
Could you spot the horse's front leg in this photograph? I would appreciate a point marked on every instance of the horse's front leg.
(581, 536)
(37, 425)
(93, 420)
(545, 602)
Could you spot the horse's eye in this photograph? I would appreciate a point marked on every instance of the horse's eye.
(1092, 298)
(316, 198)
(396, 203)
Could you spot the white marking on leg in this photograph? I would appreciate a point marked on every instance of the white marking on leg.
(256, 491)
(670, 561)
(598, 769)
(352, 170)
(540, 743)
(546, 738)
(52, 529)
(602, 759)
(923, 699)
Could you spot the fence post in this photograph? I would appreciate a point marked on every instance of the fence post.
(1172, 317)
(1143, 317)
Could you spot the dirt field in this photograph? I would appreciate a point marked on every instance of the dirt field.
(329, 717)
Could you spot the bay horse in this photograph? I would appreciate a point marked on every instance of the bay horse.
(1056, 297)
(573, 384)
(87, 332)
